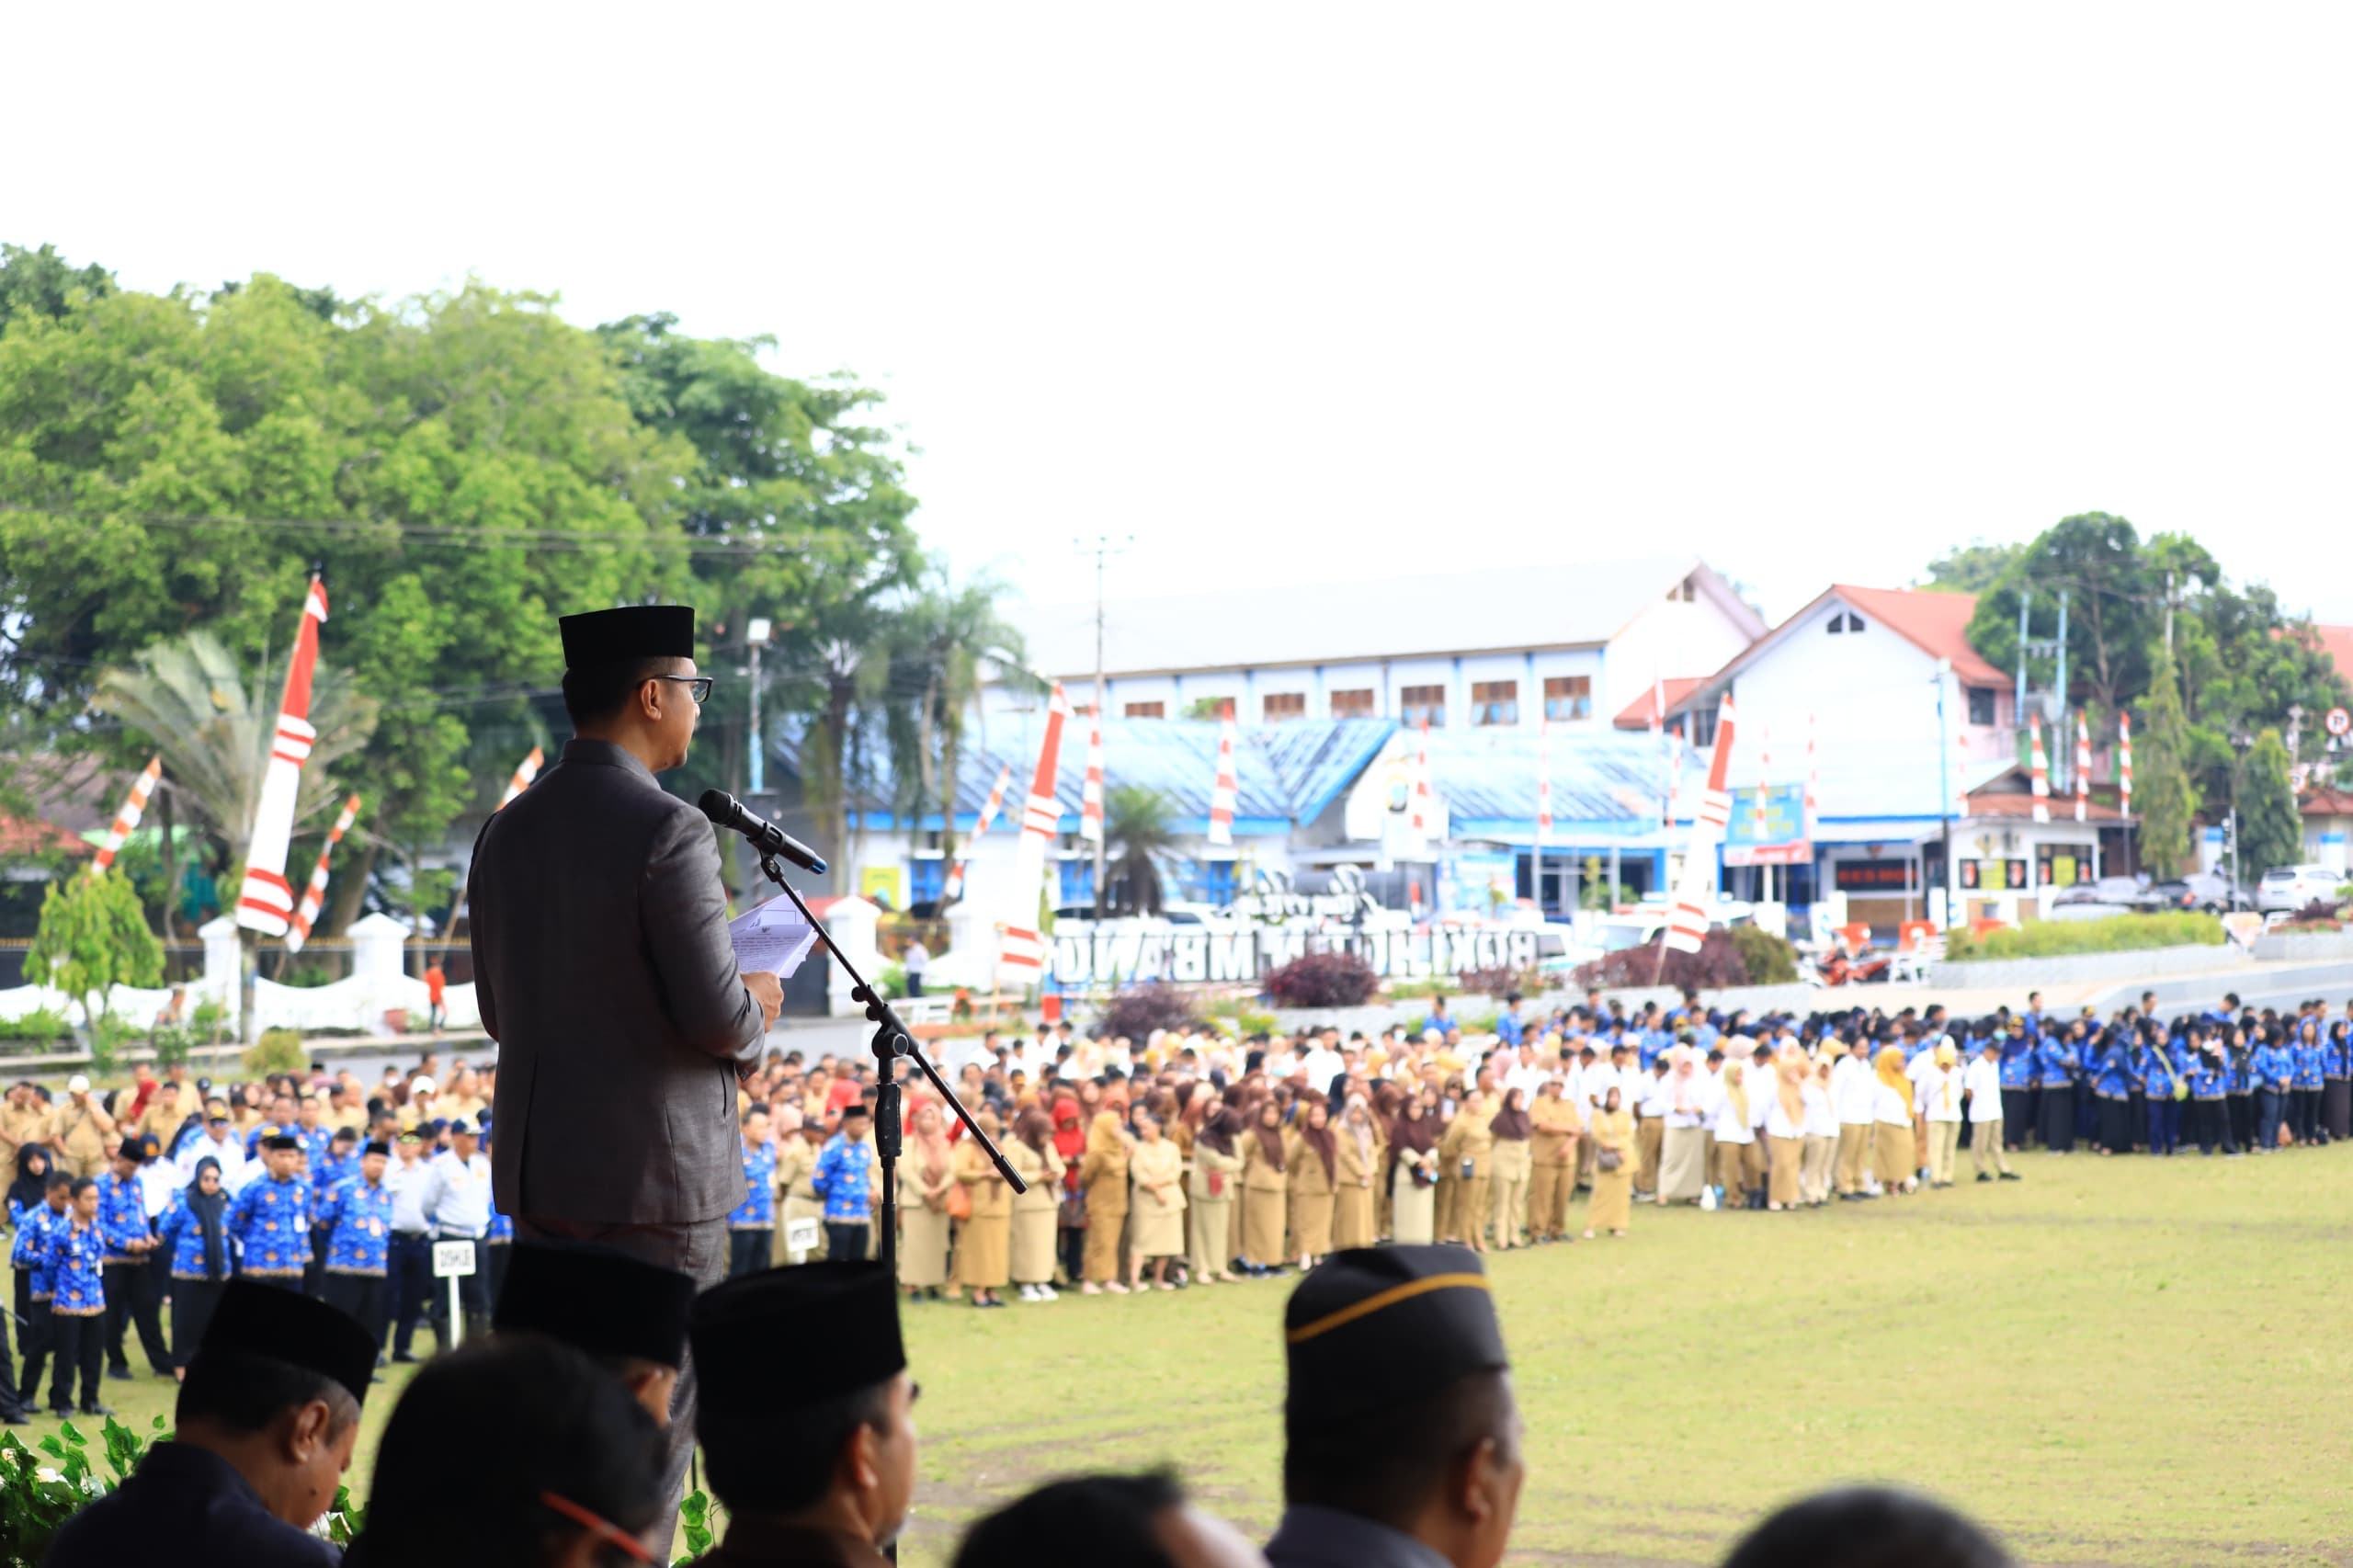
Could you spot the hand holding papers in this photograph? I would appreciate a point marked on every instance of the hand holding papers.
(771, 939)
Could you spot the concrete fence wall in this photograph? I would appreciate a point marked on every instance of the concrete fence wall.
(2074, 968)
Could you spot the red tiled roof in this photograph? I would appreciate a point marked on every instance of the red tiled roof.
(1937, 623)
(19, 837)
(2326, 802)
(1638, 713)
(2339, 641)
(2063, 810)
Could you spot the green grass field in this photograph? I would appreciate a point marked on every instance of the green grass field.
(2125, 1361)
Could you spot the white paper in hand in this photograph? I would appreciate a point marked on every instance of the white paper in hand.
(771, 939)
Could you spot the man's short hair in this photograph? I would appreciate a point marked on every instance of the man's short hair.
(1385, 1465)
(1086, 1519)
(245, 1393)
(597, 692)
(783, 1462)
(1860, 1526)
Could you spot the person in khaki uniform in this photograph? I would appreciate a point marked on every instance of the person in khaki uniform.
(1512, 1162)
(1266, 1192)
(926, 1176)
(1311, 1164)
(24, 1119)
(80, 1130)
(1039, 1166)
(1553, 1137)
(1103, 1173)
(1157, 1201)
(796, 1163)
(165, 1110)
(1360, 1157)
(1467, 1151)
(984, 1245)
(1209, 1184)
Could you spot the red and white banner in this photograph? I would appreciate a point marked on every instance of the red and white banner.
(2083, 766)
(1090, 800)
(1813, 782)
(1424, 816)
(1686, 918)
(266, 901)
(1021, 955)
(989, 810)
(2124, 762)
(314, 897)
(2042, 766)
(1763, 776)
(1544, 782)
(1226, 787)
(134, 806)
(522, 780)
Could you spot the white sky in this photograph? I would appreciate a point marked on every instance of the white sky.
(1328, 292)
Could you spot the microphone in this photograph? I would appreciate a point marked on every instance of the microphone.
(767, 837)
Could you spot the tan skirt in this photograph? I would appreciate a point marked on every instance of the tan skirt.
(1310, 1222)
(1612, 1203)
(1034, 1232)
(1262, 1225)
(983, 1248)
(1352, 1217)
(1210, 1220)
(1891, 1153)
(1730, 1158)
(1789, 1153)
(923, 1246)
(1413, 1211)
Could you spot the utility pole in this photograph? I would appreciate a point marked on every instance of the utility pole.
(1103, 548)
(1944, 788)
(757, 634)
(2059, 690)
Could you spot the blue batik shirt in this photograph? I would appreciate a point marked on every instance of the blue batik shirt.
(2017, 1063)
(271, 1227)
(2113, 1081)
(183, 1235)
(2336, 1056)
(841, 1177)
(2057, 1061)
(2156, 1073)
(2305, 1057)
(758, 1211)
(2272, 1067)
(357, 1219)
(77, 1261)
(30, 1252)
(328, 1173)
(122, 1216)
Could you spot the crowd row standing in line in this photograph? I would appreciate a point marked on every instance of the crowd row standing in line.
(249, 1182)
(1195, 1160)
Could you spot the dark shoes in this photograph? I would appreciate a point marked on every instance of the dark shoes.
(2012, 1175)
(97, 1410)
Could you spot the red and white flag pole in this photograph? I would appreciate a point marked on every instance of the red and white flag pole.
(2040, 763)
(314, 897)
(1687, 918)
(1226, 787)
(134, 806)
(989, 810)
(1021, 952)
(266, 901)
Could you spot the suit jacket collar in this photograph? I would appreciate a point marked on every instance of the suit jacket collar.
(753, 1540)
(606, 754)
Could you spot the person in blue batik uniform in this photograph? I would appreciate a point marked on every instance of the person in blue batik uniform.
(2112, 1088)
(2239, 1094)
(2056, 1064)
(28, 1257)
(2209, 1080)
(130, 1279)
(271, 1220)
(196, 1228)
(2154, 1071)
(2337, 1083)
(841, 1180)
(358, 1220)
(77, 1306)
(751, 1229)
(331, 1161)
(2305, 1081)
(2272, 1070)
(2019, 1100)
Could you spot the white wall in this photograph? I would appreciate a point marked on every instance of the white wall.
(1665, 640)
(1874, 707)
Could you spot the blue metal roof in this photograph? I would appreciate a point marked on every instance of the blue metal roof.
(1612, 779)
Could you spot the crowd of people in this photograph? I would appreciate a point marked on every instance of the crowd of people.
(1193, 1159)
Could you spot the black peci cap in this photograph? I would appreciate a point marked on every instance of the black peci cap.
(1422, 1316)
(280, 1142)
(261, 1319)
(631, 631)
(597, 1300)
(850, 1310)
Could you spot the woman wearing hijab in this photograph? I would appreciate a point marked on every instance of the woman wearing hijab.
(1156, 1203)
(29, 1189)
(1069, 1221)
(1892, 1124)
(1736, 1136)
(923, 1216)
(1785, 1131)
(983, 1249)
(1683, 1144)
(192, 1232)
(1266, 1191)
(1352, 1206)
(1035, 1160)
(2337, 1083)
(1209, 1192)
(1413, 1177)
(1103, 1172)
(1313, 1176)
(1941, 1085)
(1611, 1206)
(1514, 1161)
(1821, 1132)
(1466, 1152)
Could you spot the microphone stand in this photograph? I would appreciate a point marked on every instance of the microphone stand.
(891, 1041)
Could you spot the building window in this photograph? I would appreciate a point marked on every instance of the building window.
(1077, 884)
(1981, 705)
(1147, 710)
(1281, 705)
(1415, 703)
(1568, 697)
(1703, 726)
(1682, 593)
(926, 879)
(1495, 702)
(1844, 621)
(1356, 704)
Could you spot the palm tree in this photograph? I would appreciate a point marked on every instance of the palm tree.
(189, 699)
(1136, 829)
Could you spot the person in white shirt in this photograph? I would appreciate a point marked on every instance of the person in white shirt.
(1942, 1088)
(1821, 1136)
(1683, 1150)
(1984, 1083)
(1919, 1066)
(1893, 1150)
(1854, 1092)
(215, 1140)
(1649, 1131)
(1736, 1135)
(456, 1201)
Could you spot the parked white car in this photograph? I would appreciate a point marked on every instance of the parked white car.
(2292, 887)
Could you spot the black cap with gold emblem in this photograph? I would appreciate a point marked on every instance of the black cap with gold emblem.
(1373, 1328)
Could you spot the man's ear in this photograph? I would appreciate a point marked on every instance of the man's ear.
(305, 1430)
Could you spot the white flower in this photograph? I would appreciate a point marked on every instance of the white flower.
(46, 1474)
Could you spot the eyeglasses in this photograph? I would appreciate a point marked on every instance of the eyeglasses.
(602, 1528)
(698, 687)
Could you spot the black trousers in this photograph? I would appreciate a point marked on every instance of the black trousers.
(363, 1297)
(2058, 1121)
(410, 1266)
(846, 1243)
(316, 1270)
(192, 1305)
(2116, 1126)
(2242, 1114)
(2017, 1117)
(2307, 1104)
(131, 1299)
(9, 1400)
(81, 1347)
(495, 1256)
(748, 1251)
(35, 1340)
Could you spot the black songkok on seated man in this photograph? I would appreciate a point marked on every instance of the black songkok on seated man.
(813, 1455)
(615, 1307)
(605, 637)
(281, 1142)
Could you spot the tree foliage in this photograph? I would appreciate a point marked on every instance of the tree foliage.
(1137, 834)
(2271, 832)
(94, 937)
(2164, 792)
(42, 283)
(1972, 568)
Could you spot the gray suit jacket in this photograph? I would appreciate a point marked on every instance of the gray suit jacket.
(604, 970)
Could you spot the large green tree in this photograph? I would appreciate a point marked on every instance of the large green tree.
(1972, 568)
(2164, 793)
(2271, 832)
(2099, 559)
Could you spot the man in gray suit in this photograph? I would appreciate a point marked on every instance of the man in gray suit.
(603, 969)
